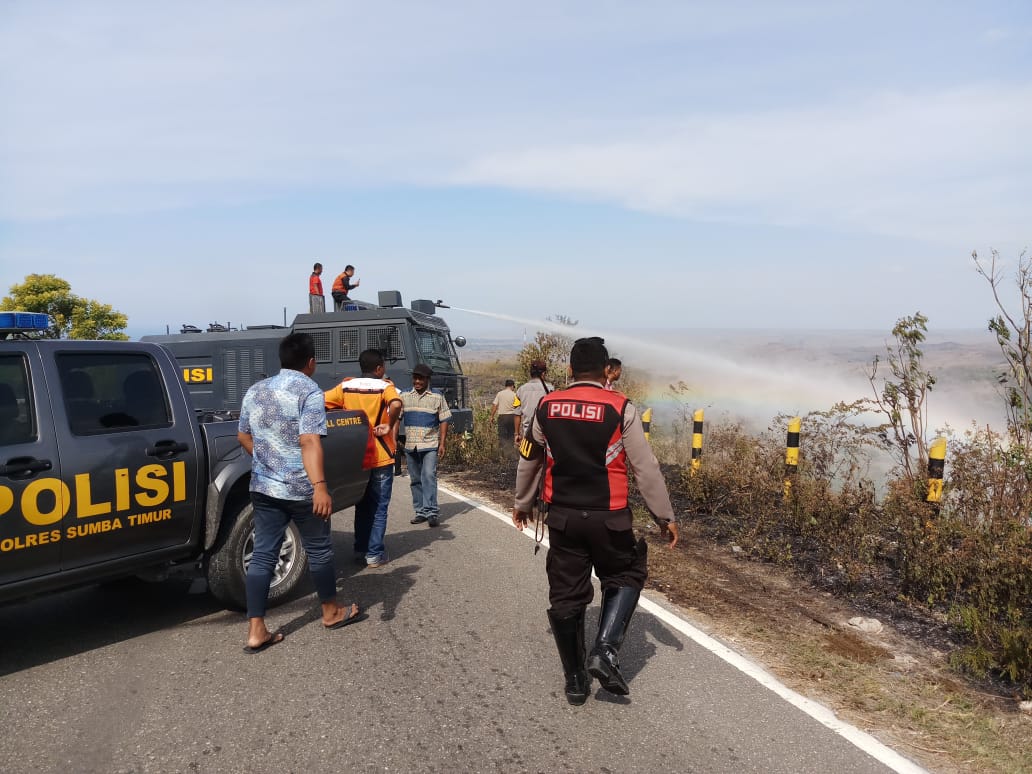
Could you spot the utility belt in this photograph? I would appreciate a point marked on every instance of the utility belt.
(619, 520)
(589, 513)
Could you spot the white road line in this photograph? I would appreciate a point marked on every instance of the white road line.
(818, 712)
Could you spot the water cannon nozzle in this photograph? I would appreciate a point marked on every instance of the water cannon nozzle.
(440, 304)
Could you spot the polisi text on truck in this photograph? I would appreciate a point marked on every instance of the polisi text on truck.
(46, 501)
(202, 375)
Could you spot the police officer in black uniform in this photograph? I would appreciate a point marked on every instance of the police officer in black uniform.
(575, 458)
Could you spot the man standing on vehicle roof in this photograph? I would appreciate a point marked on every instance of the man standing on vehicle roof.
(343, 285)
(282, 421)
(316, 299)
(527, 397)
(426, 427)
(586, 438)
(377, 397)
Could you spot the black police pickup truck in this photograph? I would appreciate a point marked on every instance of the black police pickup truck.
(108, 470)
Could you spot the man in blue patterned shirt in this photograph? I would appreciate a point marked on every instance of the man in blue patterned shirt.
(282, 421)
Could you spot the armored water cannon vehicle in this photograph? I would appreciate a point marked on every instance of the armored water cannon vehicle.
(217, 366)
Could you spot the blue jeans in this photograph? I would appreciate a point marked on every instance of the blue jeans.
(371, 514)
(422, 468)
(271, 516)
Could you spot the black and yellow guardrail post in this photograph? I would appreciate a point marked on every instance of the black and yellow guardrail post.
(697, 418)
(792, 454)
(646, 421)
(936, 468)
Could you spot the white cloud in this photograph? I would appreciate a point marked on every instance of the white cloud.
(1016, 34)
(123, 106)
(934, 166)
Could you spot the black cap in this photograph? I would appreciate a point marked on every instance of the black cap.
(422, 369)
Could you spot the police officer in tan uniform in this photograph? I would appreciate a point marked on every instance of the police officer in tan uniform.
(583, 440)
(528, 395)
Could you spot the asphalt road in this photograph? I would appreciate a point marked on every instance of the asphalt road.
(455, 670)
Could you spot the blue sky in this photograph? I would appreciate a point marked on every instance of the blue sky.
(630, 165)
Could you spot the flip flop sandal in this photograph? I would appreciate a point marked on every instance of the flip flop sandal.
(350, 618)
(274, 639)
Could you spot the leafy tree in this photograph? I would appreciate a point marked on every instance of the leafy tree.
(73, 317)
(551, 347)
(1014, 336)
(903, 401)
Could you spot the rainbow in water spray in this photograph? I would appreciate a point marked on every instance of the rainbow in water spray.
(745, 390)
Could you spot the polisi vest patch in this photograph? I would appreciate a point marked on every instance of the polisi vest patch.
(575, 409)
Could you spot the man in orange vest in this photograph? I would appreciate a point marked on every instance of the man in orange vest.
(342, 286)
(377, 396)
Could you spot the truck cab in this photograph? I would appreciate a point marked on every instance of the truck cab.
(101, 465)
(107, 469)
(218, 365)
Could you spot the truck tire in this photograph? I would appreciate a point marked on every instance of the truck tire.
(227, 565)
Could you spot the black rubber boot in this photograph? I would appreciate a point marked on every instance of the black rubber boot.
(569, 641)
(617, 608)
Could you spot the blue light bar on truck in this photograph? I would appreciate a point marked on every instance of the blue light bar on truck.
(23, 322)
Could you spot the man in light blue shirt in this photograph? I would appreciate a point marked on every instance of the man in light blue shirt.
(282, 421)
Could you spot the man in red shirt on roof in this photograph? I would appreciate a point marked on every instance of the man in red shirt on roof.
(316, 300)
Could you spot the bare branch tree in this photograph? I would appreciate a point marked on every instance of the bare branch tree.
(903, 402)
(1014, 336)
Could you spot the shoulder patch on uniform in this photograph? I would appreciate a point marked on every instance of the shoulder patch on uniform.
(529, 450)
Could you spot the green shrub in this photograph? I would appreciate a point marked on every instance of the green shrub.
(971, 556)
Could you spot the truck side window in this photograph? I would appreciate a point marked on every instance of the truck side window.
(17, 419)
(107, 392)
(386, 339)
(349, 346)
(321, 339)
(145, 399)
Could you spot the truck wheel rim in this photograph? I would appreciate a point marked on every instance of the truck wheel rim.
(285, 562)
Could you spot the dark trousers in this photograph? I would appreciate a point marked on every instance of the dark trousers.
(583, 540)
(271, 516)
(506, 428)
(339, 299)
